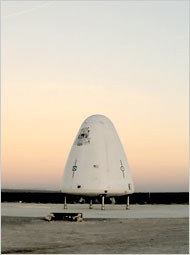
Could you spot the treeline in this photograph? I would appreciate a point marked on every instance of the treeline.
(58, 197)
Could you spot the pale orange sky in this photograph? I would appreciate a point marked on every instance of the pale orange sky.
(60, 64)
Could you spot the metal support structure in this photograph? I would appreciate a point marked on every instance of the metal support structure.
(65, 202)
(127, 205)
(90, 206)
(102, 208)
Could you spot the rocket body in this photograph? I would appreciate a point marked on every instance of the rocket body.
(97, 163)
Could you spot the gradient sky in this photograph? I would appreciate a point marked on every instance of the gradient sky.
(64, 61)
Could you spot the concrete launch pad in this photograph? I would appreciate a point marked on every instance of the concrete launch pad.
(153, 229)
(110, 212)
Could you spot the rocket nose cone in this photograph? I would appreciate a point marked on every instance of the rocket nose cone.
(98, 117)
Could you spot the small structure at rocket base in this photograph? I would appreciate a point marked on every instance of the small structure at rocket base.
(97, 164)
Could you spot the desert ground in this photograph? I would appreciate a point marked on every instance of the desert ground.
(105, 235)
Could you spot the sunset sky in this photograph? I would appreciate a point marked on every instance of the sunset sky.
(63, 61)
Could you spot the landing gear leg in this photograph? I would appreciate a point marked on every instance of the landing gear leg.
(90, 206)
(102, 208)
(127, 205)
(65, 202)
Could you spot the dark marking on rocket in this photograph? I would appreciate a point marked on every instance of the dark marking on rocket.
(83, 137)
(74, 169)
(122, 168)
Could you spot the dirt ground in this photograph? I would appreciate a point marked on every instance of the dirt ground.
(127, 236)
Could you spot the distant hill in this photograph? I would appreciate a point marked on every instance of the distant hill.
(29, 191)
(55, 196)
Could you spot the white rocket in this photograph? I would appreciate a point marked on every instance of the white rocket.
(97, 164)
